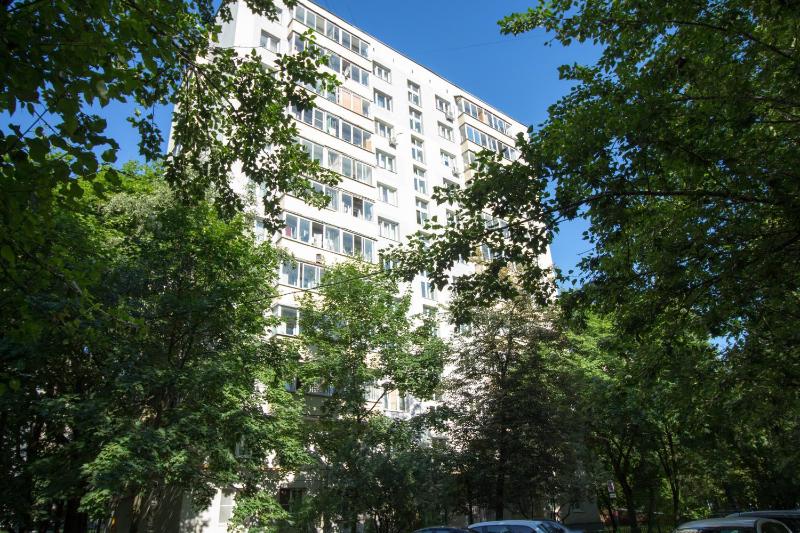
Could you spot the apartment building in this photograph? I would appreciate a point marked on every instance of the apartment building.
(393, 130)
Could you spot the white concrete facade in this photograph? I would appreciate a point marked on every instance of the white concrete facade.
(404, 130)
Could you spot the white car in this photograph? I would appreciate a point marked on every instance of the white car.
(521, 526)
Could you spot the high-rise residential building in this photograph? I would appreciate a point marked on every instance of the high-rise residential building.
(393, 130)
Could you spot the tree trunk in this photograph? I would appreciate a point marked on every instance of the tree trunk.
(651, 505)
(627, 491)
(470, 514)
(74, 520)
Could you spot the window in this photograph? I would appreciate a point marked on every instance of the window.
(290, 227)
(354, 72)
(330, 237)
(343, 201)
(311, 276)
(389, 229)
(270, 42)
(449, 184)
(445, 132)
(413, 93)
(313, 150)
(426, 289)
(450, 217)
(420, 181)
(497, 123)
(348, 167)
(478, 137)
(383, 129)
(226, 504)
(300, 274)
(383, 100)
(442, 105)
(333, 239)
(289, 320)
(290, 273)
(448, 160)
(331, 30)
(352, 101)
(422, 211)
(417, 151)
(335, 126)
(382, 72)
(415, 120)
(468, 107)
(385, 160)
(429, 310)
(386, 194)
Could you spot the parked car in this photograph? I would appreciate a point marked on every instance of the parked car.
(733, 525)
(790, 518)
(442, 529)
(521, 526)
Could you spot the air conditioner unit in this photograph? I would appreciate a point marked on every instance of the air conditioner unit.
(393, 141)
(320, 260)
(455, 171)
(449, 116)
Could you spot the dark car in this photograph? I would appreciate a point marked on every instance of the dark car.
(733, 525)
(791, 518)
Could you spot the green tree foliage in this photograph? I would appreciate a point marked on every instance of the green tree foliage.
(357, 334)
(679, 147)
(666, 422)
(134, 378)
(61, 60)
(511, 409)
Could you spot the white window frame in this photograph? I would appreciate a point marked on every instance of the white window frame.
(391, 194)
(418, 150)
(414, 93)
(382, 72)
(385, 161)
(384, 129)
(389, 229)
(420, 180)
(422, 208)
(281, 328)
(273, 43)
(415, 120)
(448, 159)
(445, 132)
(442, 105)
(385, 98)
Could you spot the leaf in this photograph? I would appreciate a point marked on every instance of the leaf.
(7, 254)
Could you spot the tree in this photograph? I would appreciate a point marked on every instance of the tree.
(511, 410)
(59, 60)
(679, 148)
(148, 394)
(358, 337)
(62, 60)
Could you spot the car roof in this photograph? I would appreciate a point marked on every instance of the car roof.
(441, 528)
(730, 521)
(794, 513)
(511, 523)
